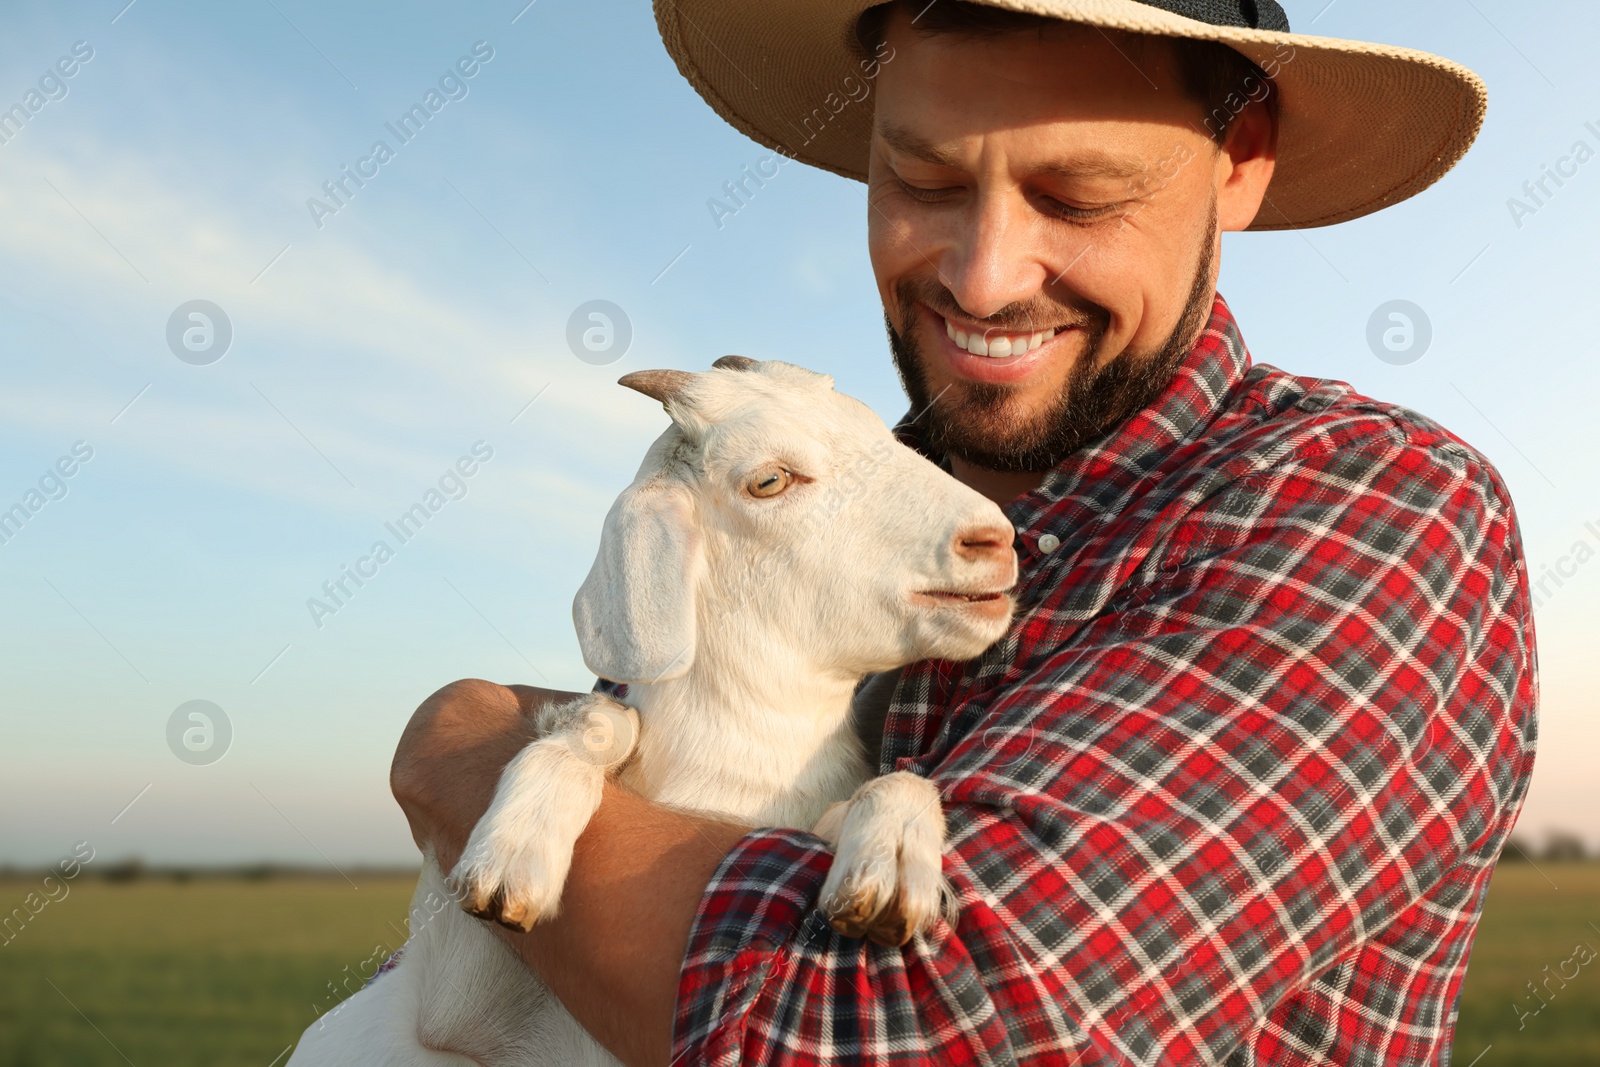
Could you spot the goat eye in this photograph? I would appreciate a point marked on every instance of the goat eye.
(769, 482)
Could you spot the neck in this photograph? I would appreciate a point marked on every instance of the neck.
(1000, 486)
(769, 741)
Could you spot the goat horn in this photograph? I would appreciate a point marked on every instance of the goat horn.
(662, 385)
(735, 363)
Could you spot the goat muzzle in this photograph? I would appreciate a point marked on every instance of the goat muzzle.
(984, 544)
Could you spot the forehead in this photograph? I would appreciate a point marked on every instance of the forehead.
(751, 419)
(1056, 80)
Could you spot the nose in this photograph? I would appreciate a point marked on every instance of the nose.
(987, 543)
(988, 265)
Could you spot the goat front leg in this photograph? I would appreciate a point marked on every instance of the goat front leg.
(516, 860)
(887, 880)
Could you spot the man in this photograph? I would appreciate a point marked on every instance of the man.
(1233, 787)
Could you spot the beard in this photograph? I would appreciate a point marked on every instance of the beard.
(980, 425)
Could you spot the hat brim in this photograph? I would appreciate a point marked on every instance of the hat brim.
(1361, 126)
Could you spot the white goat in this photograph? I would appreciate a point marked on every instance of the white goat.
(776, 546)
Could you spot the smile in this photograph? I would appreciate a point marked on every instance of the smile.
(994, 345)
(975, 354)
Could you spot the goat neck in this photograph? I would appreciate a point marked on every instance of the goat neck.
(753, 730)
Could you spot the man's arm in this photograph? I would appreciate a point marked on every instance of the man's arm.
(638, 874)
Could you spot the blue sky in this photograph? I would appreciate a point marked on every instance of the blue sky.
(371, 353)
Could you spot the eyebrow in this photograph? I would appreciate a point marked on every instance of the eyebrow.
(1090, 163)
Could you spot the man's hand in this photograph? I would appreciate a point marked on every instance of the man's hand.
(638, 873)
(452, 752)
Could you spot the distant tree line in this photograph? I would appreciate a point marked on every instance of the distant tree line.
(1559, 846)
(134, 869)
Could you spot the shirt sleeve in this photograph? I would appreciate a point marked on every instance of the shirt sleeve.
(1305, 706)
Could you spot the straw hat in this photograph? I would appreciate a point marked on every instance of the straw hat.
(1361, 126)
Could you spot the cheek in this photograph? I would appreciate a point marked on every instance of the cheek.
(1114, 278)
(1142, 278)
(894, 258)
(892, 237)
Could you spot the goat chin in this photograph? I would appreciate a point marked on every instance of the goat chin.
(753, 725)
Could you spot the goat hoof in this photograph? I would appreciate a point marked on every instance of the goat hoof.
(886, 881)
(509, 925)
(858, 907)
(514, 915)
(485, 908)
(887, 926)
(890, 929)
(497, 909)
(851, 927)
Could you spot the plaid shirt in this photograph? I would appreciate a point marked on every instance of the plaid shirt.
(1229, 791)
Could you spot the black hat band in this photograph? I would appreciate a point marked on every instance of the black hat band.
(1249, 14)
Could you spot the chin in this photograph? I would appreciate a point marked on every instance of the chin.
(965, 633)
(995, 417)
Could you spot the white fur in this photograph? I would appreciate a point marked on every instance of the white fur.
(888, 837)
(742, 627)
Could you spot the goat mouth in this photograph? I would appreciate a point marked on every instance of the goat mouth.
(949, 596)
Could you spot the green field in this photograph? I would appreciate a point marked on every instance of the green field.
(1534, 918)
(209, 973)
(223, 972)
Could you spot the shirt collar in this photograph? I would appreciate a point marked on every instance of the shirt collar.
(1207, 374)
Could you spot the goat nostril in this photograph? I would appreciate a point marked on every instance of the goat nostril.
(982, 543)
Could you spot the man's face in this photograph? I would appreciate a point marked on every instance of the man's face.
(1053, 202)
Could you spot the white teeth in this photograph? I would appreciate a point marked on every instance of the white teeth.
(1000, 345)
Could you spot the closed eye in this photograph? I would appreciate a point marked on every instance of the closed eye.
(926, 196)
(1072, 213)
(1048, 205)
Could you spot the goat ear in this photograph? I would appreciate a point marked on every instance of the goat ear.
(635, 612)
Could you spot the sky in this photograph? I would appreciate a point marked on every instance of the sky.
(347, 363)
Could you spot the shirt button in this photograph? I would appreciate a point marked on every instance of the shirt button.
(1048, 543)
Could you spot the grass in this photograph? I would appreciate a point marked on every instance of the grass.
(224, 971)
(209, 973)
(1534, 917)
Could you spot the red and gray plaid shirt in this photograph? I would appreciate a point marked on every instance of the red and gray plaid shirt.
(1229, 791)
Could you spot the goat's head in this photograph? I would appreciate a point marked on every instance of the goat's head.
(778, 517)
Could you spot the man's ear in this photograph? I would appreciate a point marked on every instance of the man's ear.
(635, 612)
(1245, 163)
